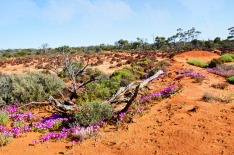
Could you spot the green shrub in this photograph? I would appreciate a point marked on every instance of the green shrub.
(7, 54)
(108, 86)
(127, 75)
(144, 62)
(21, 53)
(226, 58)
(93, 113)
(99, 90)
(231, 79)
(197, 63)
(4, 118)
(62, 74)
(29, 87)
(124, 73)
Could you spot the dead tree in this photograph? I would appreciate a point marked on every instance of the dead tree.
(121, 101)
(73, 69)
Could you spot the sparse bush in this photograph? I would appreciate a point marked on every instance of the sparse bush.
(220, 85)
(231, 79)
(198, 79)
(208, 97)
(215, 62)
(93, 113)
(198, 63)
(5, 138)
(29, 87)
(225, 98)
(152, 68)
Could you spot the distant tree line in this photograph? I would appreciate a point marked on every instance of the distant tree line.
(181, 41)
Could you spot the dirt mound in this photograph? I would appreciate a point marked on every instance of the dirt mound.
(202, 55)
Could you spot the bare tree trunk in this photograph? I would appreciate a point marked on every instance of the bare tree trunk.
(121, 101)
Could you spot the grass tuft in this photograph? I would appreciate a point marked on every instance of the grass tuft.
(198, 63)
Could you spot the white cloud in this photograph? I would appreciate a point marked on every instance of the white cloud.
(12, 11)
(202, 7)
(202, 11)
(99, 10)
(113, 10)
(154, 15)
(59, 11)
(103, 14)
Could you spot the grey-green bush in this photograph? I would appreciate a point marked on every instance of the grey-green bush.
(93, 113)
(28, 87)
(231, 79)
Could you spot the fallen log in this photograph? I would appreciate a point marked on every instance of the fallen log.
(121, 101)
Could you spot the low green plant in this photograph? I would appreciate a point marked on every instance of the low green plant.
(21, 53)
(4, 118)
(18, 124)
(62, 74)
(125, 73)
(93, 113)
(231, 79)
(5, 139)
(198, 63)
(99, 90)
(226, 58)
(229, 55)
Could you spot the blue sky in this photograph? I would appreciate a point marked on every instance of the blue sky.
(30, 23)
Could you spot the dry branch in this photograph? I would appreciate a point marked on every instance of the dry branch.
(121, 101)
